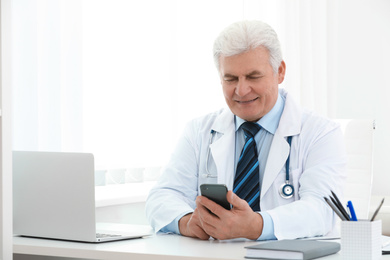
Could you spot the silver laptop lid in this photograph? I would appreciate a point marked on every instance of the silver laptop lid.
(54, 195)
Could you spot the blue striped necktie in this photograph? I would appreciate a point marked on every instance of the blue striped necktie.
(247, 180)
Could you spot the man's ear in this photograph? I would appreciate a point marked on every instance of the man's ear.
(281, 72)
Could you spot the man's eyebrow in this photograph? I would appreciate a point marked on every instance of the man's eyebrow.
(252, 73)
(228, 75)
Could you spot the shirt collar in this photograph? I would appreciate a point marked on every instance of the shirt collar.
(271, 120)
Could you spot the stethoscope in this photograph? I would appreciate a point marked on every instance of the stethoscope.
(286, 190)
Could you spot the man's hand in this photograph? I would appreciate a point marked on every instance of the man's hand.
(190, 226)
(240, 221)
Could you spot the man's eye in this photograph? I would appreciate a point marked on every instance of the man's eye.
(230, 79)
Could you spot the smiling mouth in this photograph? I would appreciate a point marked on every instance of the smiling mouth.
(247, 101)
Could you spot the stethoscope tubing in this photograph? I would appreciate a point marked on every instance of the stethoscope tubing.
(289, 138)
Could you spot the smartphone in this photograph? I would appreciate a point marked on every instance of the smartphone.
(216, 193)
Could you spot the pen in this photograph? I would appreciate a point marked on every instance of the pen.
(377, 210)
(352, 211)
(335, 209)
(339, 205)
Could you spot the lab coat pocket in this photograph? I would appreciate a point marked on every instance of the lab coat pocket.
(207, 178)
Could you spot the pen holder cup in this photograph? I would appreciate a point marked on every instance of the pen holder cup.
(361, 240)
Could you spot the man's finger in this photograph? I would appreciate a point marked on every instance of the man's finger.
(236, 201)
(213, 209)
(200, 233)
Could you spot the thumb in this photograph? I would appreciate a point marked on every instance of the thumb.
(236, 201)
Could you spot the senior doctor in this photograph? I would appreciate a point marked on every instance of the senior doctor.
(248, 57)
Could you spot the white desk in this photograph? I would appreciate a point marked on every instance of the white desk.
(153, 247)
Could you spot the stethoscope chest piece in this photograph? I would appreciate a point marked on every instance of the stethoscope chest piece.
(286, 190)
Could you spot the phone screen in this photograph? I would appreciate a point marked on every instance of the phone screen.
(216, 193)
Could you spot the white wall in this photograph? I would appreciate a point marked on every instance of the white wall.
(132, 213)
(5, 133)
(363, 83)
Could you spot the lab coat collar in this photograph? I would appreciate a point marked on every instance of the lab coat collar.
(290, 121)
(223, 122)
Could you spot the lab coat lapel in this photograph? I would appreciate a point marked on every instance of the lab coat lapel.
(276, 159)
(222, 149)
(289, 125)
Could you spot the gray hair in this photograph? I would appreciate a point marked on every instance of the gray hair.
(244, 36)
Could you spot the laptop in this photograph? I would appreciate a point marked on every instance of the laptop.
(54, 197)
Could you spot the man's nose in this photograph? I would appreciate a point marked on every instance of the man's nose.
(243, 88)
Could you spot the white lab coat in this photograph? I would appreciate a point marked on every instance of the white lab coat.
(317, 167)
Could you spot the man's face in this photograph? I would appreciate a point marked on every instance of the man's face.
(249, 84)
